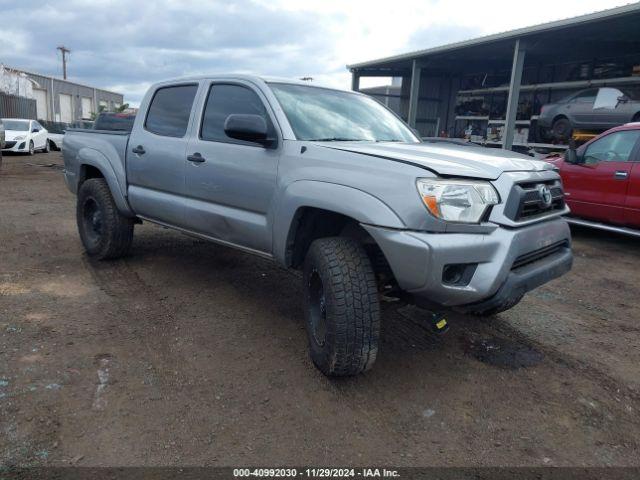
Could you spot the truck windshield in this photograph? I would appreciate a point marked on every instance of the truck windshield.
(322, 114)
(16, 125)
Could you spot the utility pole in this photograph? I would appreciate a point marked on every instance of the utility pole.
(64, 51)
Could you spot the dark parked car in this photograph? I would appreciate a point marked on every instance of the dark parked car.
(82, 124)
(122, 122)
(591, 109)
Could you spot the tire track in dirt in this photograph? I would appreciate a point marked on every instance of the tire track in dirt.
(582, 367)
(150, 323)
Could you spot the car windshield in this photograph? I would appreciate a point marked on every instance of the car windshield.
(17, 125)
(632, 92)
(331, 115)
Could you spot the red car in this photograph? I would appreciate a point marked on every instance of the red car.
(602, 180)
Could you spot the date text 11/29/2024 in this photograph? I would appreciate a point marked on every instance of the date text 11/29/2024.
(315, 472)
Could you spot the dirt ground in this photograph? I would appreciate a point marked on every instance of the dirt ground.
(188, 353)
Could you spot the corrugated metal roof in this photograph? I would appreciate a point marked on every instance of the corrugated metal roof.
(49, 77)
(510, 34)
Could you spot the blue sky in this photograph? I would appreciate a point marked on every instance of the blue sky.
(125, 45)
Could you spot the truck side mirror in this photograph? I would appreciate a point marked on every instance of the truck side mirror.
(570, 156)
(250, 128)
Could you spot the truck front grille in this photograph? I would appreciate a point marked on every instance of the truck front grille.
(539, 254)
(529, 201)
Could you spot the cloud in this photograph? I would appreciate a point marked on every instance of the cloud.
(124, 45)
(162, 39)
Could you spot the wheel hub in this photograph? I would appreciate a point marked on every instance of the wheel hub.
(92, 220)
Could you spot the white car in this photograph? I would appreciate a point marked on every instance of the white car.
(55, 140)
(26, 136)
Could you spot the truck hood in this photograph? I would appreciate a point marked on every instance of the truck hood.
(447, 159)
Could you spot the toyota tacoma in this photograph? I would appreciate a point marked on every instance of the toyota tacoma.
(330, 183)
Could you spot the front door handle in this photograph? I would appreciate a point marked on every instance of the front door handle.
(139, 150)
(620, 175)
(196, 158)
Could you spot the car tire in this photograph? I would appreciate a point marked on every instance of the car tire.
(104, 231)
(47, 147)
(32, 149)
(342, 308)
(562, 129)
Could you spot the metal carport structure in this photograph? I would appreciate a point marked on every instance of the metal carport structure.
(530, 59)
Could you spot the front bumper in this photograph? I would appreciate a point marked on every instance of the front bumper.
(16, 146)
(417, 260)
(524, 279)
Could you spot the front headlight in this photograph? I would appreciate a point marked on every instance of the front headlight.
(457, 200)
(20, 137)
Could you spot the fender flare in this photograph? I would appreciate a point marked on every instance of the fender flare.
(351, 202)
(94, 158)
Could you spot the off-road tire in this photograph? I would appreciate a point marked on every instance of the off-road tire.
(562, 129)
(112, 239)
(32, 149)
(351, 305)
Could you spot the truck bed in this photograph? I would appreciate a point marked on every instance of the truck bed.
(98, 144)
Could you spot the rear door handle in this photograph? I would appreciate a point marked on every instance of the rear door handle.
(196, 158)
(621, 174)
(139, 150)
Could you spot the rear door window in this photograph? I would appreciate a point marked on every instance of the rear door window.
(170, 109)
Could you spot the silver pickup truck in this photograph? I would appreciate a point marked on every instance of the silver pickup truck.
(331, 183)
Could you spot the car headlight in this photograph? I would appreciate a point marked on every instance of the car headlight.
(20, 137)
(457, 200)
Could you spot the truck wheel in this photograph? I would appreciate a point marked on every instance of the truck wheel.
(562, 129)
(104, 232)
(342, 308)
